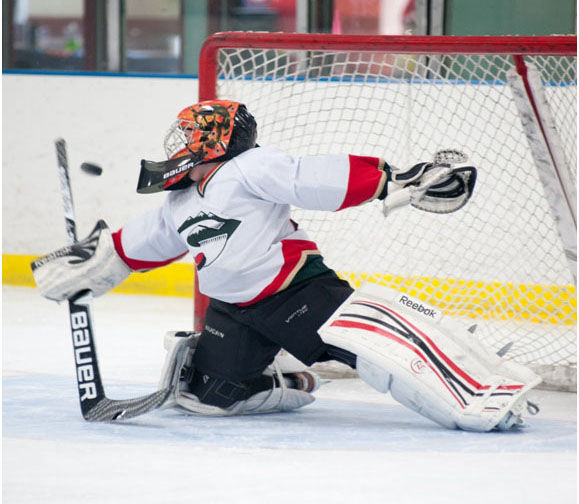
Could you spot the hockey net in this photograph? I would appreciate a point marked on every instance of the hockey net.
(506, 261)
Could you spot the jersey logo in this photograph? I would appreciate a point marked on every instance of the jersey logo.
(209, 233)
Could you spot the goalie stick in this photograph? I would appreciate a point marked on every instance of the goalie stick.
(94, 405)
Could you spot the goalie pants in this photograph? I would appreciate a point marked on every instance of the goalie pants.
(238, 343)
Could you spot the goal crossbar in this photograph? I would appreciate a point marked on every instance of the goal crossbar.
(208, 60)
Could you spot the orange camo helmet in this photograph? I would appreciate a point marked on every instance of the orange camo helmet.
(204, 132)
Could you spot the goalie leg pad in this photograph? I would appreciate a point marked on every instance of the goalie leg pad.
(275, 400)
(290, 388)
(433, 367)
(180, 346)
(279, 397)
(373, 374)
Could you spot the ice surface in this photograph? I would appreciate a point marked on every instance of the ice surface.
(352, 445)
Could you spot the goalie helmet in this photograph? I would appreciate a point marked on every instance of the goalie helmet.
(214, 130)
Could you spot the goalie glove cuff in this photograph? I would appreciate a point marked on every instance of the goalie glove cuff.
(397, 179)
(90, 264)
(405, 186)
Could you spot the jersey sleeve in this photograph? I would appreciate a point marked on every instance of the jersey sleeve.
(332, 182)
(149, 241)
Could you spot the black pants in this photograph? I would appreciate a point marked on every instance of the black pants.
(238, 343)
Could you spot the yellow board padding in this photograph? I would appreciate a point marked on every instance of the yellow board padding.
(544, 304)
(173, 280)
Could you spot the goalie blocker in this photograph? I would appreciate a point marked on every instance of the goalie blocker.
(429, 363)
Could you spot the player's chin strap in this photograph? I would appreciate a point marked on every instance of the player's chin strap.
(437, 187)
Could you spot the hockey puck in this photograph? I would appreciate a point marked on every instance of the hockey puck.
(91, 169)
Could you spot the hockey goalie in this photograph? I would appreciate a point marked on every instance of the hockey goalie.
(228, 205)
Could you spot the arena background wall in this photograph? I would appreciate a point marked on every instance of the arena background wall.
(112, 121)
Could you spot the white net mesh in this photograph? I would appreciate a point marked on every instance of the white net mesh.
(499, 261)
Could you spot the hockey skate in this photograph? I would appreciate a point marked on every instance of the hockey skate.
(295, 374)
(302, 380)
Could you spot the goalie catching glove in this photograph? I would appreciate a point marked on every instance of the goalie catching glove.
(432, 187)
(90, 264)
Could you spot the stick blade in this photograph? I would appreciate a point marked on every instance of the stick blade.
(110, 410)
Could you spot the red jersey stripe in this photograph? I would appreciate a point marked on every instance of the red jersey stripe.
(137, 264)
(365, 181)
(295, 253)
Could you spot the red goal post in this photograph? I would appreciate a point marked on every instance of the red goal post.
(507, 261)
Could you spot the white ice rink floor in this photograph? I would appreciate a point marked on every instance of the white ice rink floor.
(352, 445)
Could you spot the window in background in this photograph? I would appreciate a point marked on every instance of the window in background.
(153, 36)
(373, 17)
(47, 34)
(251, 15)
(165, 36)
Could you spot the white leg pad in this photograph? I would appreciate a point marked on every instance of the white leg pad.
(272, 401)
(269, 401)
(430, 364)
(180, 346)
(373, 374)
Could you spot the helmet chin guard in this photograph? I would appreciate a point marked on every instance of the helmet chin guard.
(158, 176)
(214, 130)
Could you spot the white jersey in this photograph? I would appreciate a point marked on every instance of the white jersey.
(236, 221)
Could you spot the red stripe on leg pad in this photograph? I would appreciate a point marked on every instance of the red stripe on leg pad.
(459, 371)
